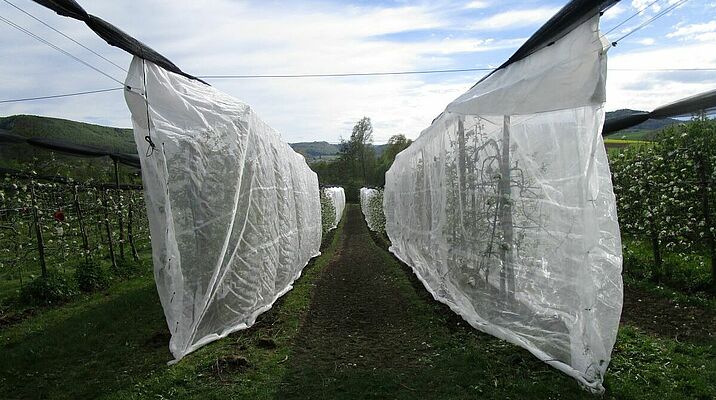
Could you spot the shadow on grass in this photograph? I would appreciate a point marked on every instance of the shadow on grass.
(86, 350)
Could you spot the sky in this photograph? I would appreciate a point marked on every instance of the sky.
(232, 37)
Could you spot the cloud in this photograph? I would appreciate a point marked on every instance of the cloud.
(455, 46)
(649, 6)
(645, 90)
(614, 12)
(313, 36)
(647, 42)
(700, 77)
(701, 32)
(475, 5)
(642, 4)
(516, 18)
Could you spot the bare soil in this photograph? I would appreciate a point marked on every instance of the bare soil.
(357, 322)
(664, 317)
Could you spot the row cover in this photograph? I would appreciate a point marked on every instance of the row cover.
(366, 194)
(234, 212)
(504, 208)
(338, 198)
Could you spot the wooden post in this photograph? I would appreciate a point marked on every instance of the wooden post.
(38, 230)
(130, 233)
(119, 208)
(80, 221)
(507, 274)
(109, 231)
(653, 227)
(462, 166)
(706, 209)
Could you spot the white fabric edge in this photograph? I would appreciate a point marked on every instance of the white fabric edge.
(496, 331)
(252, 318)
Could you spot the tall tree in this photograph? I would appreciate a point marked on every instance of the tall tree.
(358, 151)
(396, 144)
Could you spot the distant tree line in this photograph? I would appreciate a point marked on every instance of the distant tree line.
(357, 164)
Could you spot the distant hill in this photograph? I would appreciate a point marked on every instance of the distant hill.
(325, 150)
(316, 149)
(647, 130)
(118, 139)
(20, 156)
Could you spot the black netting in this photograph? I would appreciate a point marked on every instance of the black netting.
(127, 159)
(7, 137)
(700, 102)
(70, 148)
(703, 102)
(111, 34)
(67, 148)
(571, 15)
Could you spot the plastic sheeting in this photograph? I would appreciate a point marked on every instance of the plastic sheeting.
(504, 208)
(365, 195)
(338, 199)
(234, 212)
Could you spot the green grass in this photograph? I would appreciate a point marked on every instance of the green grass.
(642, 366)
(625, 142)
(645, 367)
(638, 134)
(690, 279)
(11, 284)
(114, 345)
(616, 145)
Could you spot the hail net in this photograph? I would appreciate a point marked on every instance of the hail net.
(504, 207)
(366, 195)
(234, 212)
(338, 199)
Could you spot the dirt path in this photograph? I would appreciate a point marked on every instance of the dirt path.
(358, 325)
(373, 332)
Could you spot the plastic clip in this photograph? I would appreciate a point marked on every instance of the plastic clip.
(150, 149)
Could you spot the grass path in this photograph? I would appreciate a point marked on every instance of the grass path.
(357, 325)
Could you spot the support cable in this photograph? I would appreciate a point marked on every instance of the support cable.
(649, 21)
(56, 96)
(347, 74)
(68, 54)
(633, 16)
(66, 36)
(443, 71)
(332, 75)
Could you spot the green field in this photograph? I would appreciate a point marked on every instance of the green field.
(356, 325)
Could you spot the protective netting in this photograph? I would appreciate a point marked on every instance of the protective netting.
(338, 198)
(504, 207)
(234, 212)
(366, 195)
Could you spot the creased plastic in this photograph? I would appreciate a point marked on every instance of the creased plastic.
(234, 212)
(338, 199)
(504, 208)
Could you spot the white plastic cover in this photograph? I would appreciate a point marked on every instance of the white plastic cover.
(504, 208)
(365, 195)
(338, 198)
(234, 212)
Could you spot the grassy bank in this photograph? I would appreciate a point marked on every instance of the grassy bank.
(114, 345)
